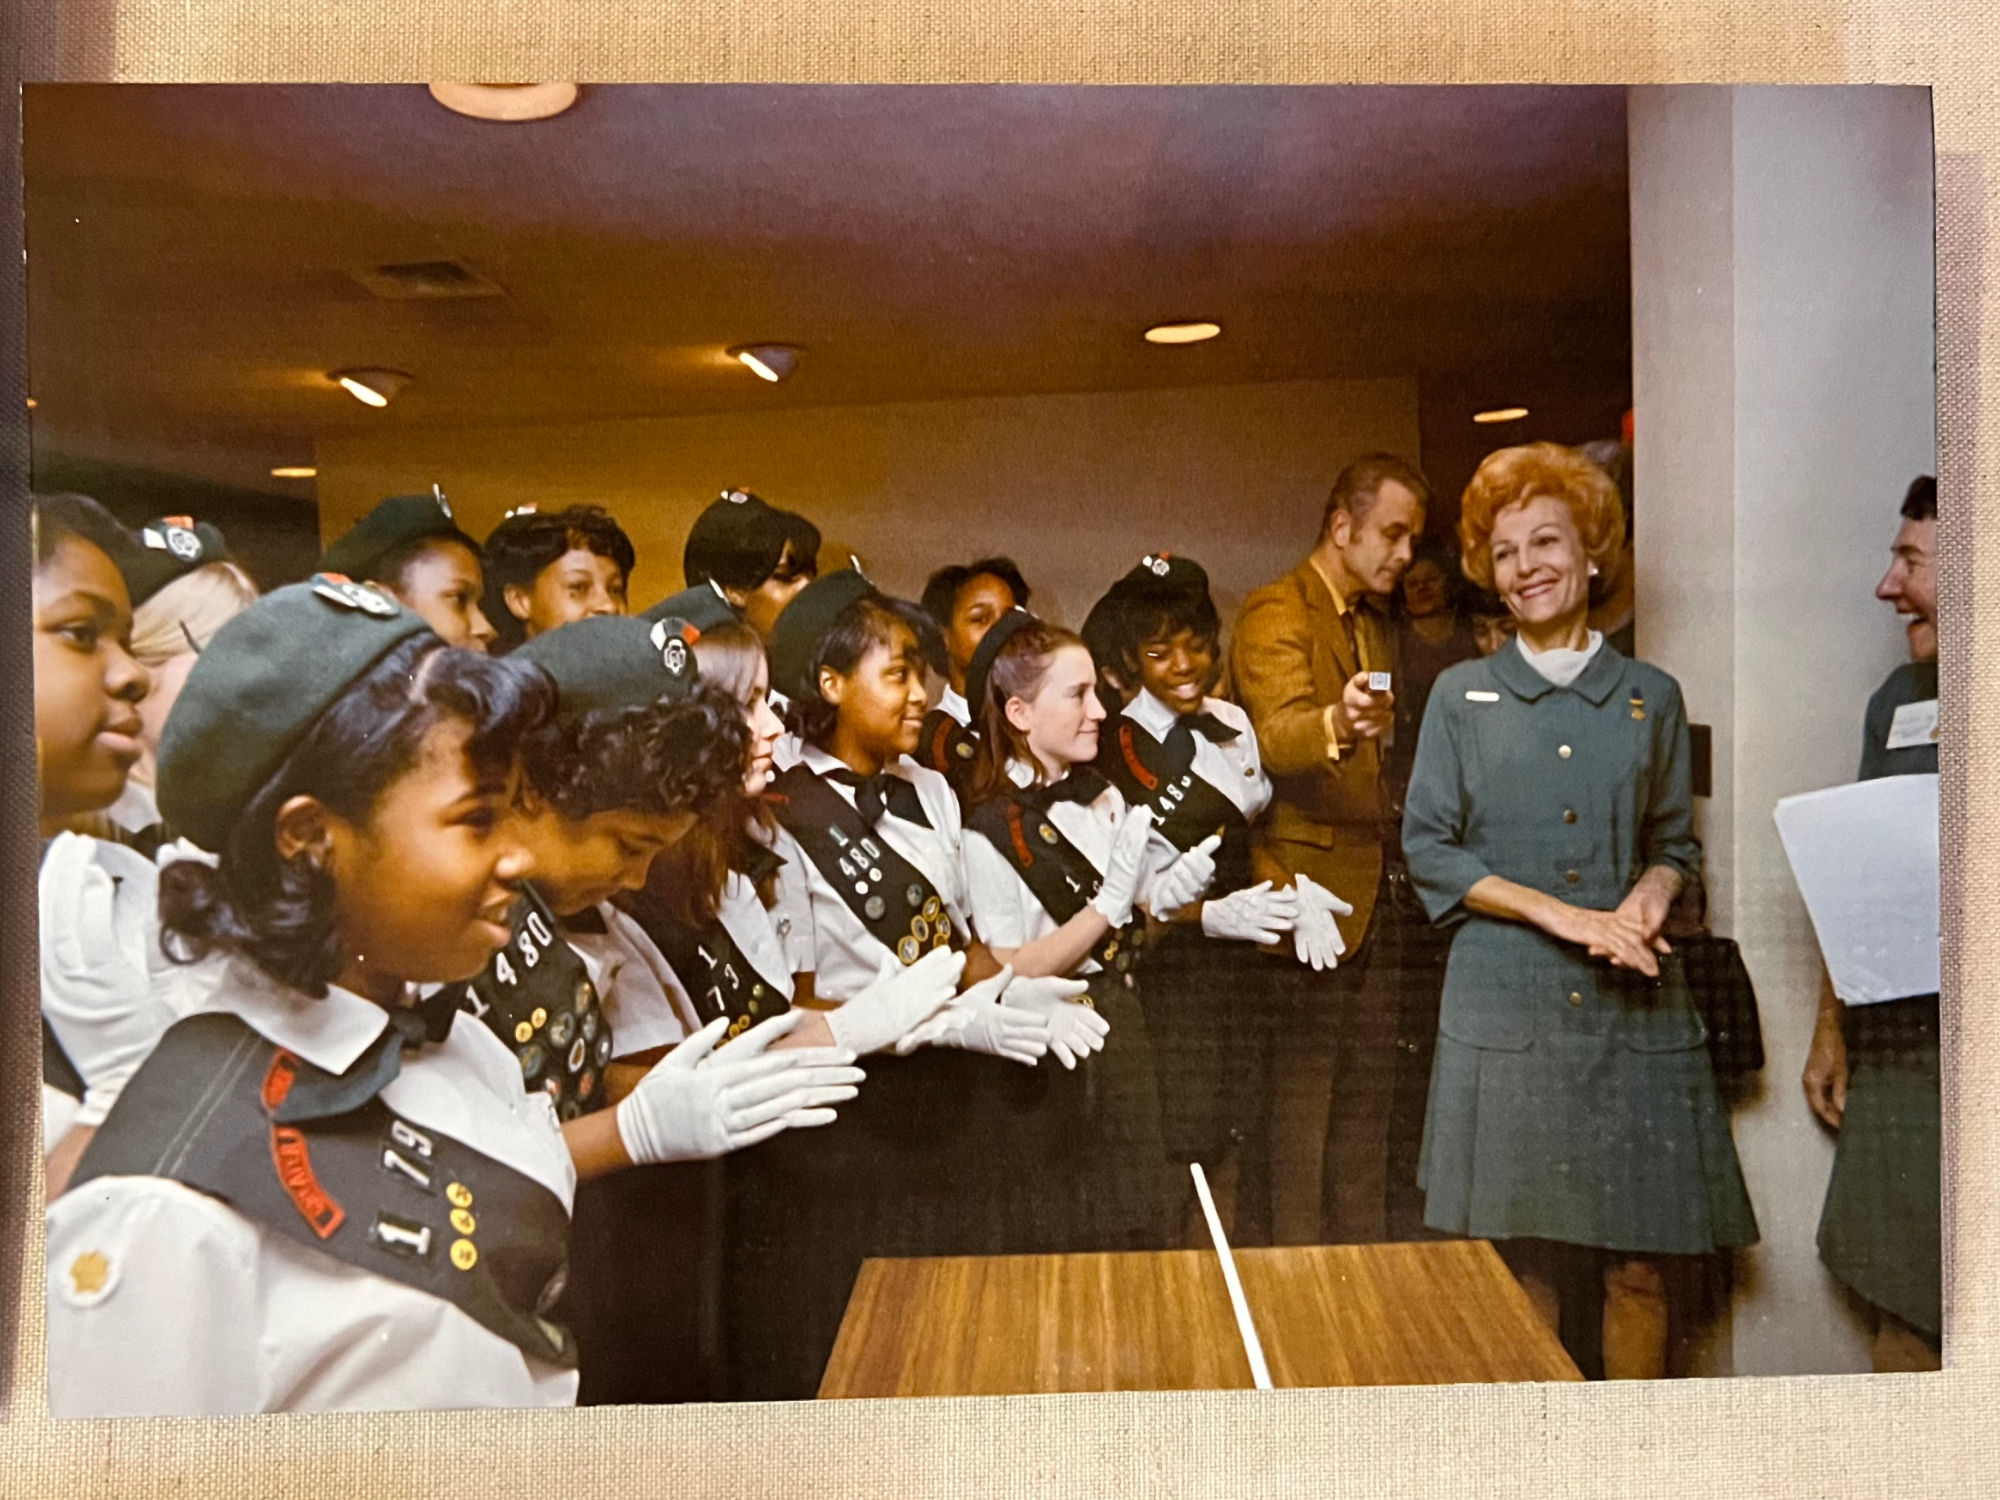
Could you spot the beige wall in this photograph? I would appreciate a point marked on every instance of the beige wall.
(1783, 287)
(1075, 487)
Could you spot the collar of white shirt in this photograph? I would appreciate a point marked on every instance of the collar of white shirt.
(1020, 772)
(330, 1033)
(952, 701)
(1151, 715)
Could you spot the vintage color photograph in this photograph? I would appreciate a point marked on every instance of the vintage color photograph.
(756, 742)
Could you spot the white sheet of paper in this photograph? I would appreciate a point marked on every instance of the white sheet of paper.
(1865, 857)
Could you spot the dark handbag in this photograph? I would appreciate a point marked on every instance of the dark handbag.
(1719, 984)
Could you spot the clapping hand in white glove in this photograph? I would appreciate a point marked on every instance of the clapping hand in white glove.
(1120, 886)
(1317, 936)
(1257, 914)
(1075, 1031)
(900, 999)
(1185, 879)
(697, 1103)
(977, 1022)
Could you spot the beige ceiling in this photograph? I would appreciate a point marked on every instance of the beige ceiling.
(193, 249)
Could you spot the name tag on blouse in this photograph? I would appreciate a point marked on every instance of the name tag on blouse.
(1480, 695)
(1914, 724)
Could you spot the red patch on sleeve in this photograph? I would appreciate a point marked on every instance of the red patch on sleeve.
(278, 1079)
(1021, 850)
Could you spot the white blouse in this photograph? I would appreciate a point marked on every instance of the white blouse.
(1005, 912)
(646, 1002)
(821, 933)
(165, 1301)
(1233, 768)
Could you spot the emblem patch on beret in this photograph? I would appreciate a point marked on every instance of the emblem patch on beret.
(670, 638)
(736, 497)
(1156, 563)
(169, 535)
(348, 594)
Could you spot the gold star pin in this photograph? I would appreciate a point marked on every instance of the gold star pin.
(89, 1272)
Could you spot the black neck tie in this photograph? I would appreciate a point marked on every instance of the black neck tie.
(1180, 738)
(1083, 784)
(873, 795)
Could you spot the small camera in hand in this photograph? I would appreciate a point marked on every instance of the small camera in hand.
(1378, 682)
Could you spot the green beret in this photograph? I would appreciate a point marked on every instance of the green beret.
(614, 661)
(700, 605)
(740, 539)
(258, 687)
(396, 522)
(804, 624)
(169, 547)
(1158, 579)
(997, 635)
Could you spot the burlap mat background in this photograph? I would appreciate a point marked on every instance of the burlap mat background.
(1935, 1435)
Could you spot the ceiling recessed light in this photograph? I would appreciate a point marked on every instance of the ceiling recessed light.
(294, 471)
(1501, 414)
(511, 102)
(371, 387)
(1182, 333)
(772, 362)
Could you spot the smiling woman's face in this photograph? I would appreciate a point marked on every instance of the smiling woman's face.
(1540, 568)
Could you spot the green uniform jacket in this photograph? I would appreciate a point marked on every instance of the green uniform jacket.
(1574, 792)
(1569, 1100)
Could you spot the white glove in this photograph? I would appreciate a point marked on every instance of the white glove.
(697, 1102)
(1075, 1031)
(1317, 936)
(1185, 879)
(105, 989)
(899, 999)
(1120, 886)
(977, 1022)
(1256, 915)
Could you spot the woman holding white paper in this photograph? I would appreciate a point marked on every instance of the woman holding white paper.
(1573, 1112)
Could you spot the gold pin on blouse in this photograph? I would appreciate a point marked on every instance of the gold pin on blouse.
(1638, 707)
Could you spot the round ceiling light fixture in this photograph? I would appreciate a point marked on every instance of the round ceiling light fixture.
(294, 471)
(509, 102)
(1182, 333)
(1500, 414)
(772, 362)
(371, 387)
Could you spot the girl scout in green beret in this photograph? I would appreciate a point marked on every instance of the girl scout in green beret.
(963, 601)
(1062, 877)
(1550, 822)
(871, 892)
(412, 548)
(638, 745)
(361, 1206)
(1213, 1003)
(185, 587)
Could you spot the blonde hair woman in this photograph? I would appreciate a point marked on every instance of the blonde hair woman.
(170, 628)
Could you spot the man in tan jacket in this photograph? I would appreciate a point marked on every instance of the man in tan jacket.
(1301, 659)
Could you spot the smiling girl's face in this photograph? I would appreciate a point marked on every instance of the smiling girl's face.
(425, 885)
(1177, 669)
(766, 729)
(575, 586)
(1060, 721)
(1540, 567)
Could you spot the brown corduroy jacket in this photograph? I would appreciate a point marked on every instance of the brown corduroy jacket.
(1289, 659)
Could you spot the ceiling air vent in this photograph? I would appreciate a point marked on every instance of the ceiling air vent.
(427, 280)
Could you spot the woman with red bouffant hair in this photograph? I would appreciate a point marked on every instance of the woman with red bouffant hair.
(1573, 1115)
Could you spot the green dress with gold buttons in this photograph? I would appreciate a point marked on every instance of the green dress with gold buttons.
(1569, 1100)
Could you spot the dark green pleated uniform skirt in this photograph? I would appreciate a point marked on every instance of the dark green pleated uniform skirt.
(1881, 1230)
(943, 1153)
(1596, 1124)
